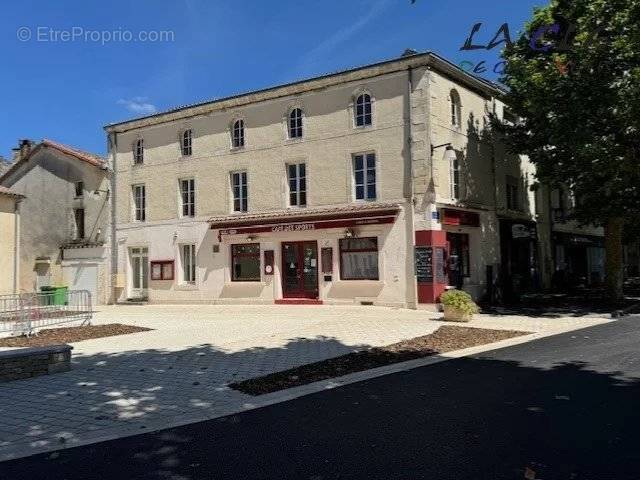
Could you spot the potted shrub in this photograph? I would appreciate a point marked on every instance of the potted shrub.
(458, 306)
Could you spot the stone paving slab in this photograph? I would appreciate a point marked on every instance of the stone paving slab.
(178, 373)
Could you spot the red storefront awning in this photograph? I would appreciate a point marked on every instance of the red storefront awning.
(298, 220)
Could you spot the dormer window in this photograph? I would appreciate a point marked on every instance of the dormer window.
(295, 123)
(363, 111)
(186, 140)
(138, 151)
(237, 134)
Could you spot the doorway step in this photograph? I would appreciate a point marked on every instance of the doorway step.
(298, 301)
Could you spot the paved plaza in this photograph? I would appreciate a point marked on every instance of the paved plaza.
(178, 373)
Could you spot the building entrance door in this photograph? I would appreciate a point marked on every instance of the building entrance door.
(300, 269)
(139, 272)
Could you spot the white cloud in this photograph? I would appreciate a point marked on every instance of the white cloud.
(138, 105)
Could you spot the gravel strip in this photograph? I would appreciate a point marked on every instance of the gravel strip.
(55, 336)
(445, 339)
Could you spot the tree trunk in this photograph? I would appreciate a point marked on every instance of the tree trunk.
(613, 257)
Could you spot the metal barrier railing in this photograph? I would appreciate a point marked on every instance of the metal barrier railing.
(24, 313)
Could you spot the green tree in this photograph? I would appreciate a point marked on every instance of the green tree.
(573, 76)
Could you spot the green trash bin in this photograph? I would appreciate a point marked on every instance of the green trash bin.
(55, 295)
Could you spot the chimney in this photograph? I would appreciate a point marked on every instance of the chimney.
(409, 52)
(23, 149)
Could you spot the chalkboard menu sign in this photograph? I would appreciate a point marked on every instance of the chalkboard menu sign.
(441, 274)
(424, 264)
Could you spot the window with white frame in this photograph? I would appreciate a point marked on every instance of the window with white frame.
(363, 110)
(186, 142)
(297, 175)
(188, 197)
(188, 259)
(138, 151)
(139, 203)
(295, 123)
(237, 134)
(456, 109)
(364, 176)
(454, 176)
(240, 191)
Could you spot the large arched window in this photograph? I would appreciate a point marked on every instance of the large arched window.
(138, 151)
(456, 109)
(363, 111)
(186, 142)
(295, 123)
(237, 134)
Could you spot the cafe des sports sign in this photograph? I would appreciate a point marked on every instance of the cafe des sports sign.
(306, 226)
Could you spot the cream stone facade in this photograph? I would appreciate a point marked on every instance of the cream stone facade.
(9, 235)
(341, 247)
(64, 219)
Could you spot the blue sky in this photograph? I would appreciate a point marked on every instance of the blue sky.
(68, 89)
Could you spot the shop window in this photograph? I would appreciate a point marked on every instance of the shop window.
(245, 262)
(359, 258)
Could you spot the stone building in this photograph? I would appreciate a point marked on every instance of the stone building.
(376, 185)
(9, 234)
(64, 218)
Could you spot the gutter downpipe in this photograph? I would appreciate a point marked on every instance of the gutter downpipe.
(113, 143)
(412, 286)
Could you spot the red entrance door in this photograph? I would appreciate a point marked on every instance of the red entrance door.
(300, 269)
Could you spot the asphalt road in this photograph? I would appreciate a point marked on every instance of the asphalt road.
(564, 407)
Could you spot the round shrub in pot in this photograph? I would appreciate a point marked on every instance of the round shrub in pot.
(458, 306)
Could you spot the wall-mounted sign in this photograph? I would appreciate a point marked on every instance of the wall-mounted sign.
(460, 217)
(268, 262)
(326, 257)
(162, 269)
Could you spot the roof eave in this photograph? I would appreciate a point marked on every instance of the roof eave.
(284, 90)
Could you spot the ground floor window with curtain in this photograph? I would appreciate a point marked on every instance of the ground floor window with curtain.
(188, 263)
(359, 258)
(245, 262)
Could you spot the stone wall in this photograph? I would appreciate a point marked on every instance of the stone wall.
(33, 362)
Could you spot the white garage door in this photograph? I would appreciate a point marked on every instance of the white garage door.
(83, 276)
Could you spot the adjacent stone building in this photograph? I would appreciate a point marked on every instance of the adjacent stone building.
(9, 235)
(64, 218)
(376, 185)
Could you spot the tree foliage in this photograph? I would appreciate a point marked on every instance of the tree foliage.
(573, 77)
